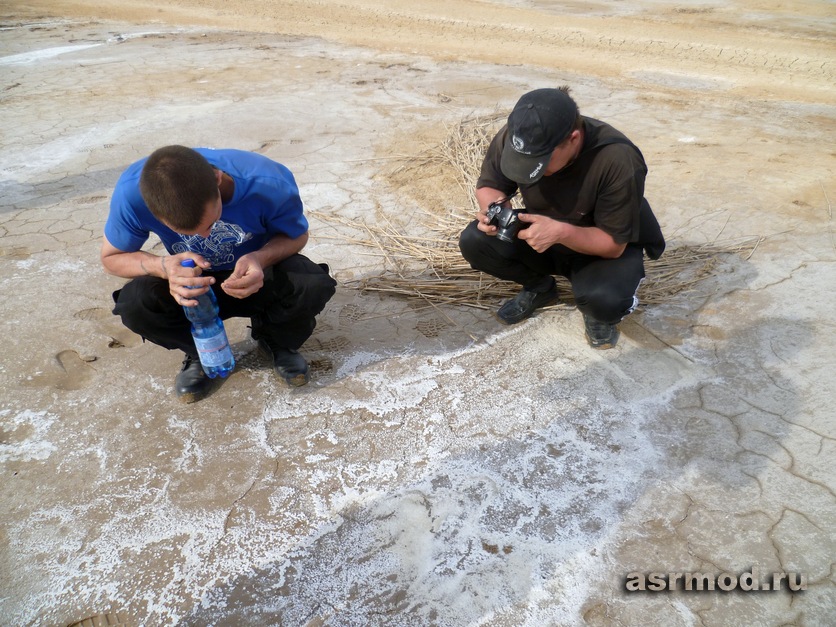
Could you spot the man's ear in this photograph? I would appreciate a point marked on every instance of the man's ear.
(219, 176)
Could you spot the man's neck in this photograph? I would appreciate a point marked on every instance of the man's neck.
(581, 140)
(579, 147)
(226, 187)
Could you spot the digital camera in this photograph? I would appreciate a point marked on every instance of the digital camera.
(505, 220)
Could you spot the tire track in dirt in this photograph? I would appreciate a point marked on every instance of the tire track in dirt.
(753, 61)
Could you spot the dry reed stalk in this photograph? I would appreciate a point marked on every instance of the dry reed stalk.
(430, 267)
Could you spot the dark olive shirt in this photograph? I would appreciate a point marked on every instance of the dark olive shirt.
(603, 186)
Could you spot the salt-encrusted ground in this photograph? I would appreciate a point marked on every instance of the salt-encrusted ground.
(423, 477)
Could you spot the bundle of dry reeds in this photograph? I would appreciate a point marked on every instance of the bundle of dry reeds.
(430, 267)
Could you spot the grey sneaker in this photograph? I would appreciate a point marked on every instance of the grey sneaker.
(523, 304)
(600, 335)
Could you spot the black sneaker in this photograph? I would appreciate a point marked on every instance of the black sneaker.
(287, 363)
(192, 383)
(600, 335)
(523, 304)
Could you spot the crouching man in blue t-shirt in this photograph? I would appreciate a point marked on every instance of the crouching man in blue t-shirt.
(239, 216)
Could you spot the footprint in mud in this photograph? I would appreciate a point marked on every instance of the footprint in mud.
(268, 144)
(120, 337)
(88, 200)
(323, 325)
(123, 338)
(69, 371)
(93, 313)
(349, 314)
(431, 328)
(251, 360)
(254, 360)
(330, 345)
(321, 366)
(15, 253)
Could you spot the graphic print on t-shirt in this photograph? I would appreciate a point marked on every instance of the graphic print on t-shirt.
(218, 248)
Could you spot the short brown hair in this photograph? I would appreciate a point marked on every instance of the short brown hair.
(177, 183)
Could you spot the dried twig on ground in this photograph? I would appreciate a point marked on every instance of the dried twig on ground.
(430, 267)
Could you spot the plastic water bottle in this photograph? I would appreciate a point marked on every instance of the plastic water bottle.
(209, 333)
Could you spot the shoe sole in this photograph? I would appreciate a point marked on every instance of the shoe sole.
(602, 347)
(192, 397)
(188, 398)
(295, 382)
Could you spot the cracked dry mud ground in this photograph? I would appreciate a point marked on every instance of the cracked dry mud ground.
(438, 470)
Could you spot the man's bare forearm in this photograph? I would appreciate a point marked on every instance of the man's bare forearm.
(136, 264)
(278, 248)
(590, 240)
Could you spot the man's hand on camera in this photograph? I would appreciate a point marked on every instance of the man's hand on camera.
(484, 223)
(541, 233)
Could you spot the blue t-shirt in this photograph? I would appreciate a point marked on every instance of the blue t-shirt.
(265, 202)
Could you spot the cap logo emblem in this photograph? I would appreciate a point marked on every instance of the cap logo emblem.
(519, 144)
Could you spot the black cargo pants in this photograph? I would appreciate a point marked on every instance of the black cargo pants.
(603, 288)
(283, 311)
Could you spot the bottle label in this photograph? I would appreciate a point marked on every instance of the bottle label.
(214, 350)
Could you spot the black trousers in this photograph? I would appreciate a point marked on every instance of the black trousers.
(603, 288)
(283, 311)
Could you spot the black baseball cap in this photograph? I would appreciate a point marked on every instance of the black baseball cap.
(540, 121)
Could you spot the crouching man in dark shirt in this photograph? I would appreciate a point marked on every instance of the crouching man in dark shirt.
(585, 216)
